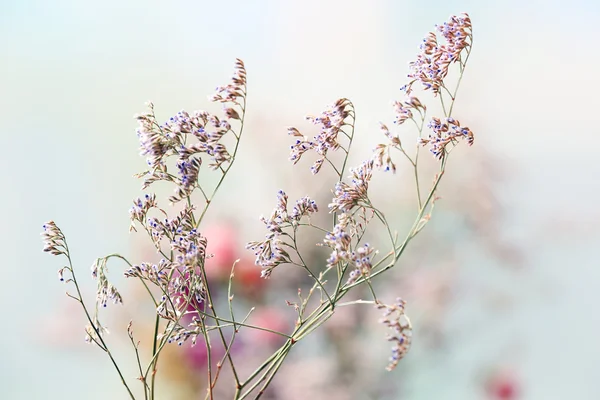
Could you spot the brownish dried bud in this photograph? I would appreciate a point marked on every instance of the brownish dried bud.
(230, 113)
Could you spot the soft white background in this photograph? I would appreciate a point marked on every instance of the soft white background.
(72, 74)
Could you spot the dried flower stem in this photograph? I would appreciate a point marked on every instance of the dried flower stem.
(99, 337)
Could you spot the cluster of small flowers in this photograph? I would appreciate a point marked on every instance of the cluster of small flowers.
(140, 209)
(54, 243)
(236, 89)
(170, 228)
(54, 240)
(159, 141)
(105, 290)
(403, 109)
(340, 240)
(331, 122)
(395, 319)
(182, 290)
(154, 273)
(444, 133)
(381, 154)
(188, 169)
(270, 253)
(191, 246)
(303, 207)
(181, 335)
(179, 278)
(347, 196)
(431, 66)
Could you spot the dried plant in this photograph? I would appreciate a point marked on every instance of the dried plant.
(178, 286)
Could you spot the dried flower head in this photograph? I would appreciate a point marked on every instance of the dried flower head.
(340, 241)
(233, 91)
(331, 123)
(53, 238)
(105, 290)
(398, 322)
(431, 66)
(348, 196)
(189, 136)
(445, 133)
(270, 253)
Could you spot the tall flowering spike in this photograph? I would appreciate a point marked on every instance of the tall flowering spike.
(331, 123)
(396, 320)
(431, 66)
(348, 196)
(445, 132)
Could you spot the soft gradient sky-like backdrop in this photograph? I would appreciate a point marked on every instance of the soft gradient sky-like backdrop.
(72, 74)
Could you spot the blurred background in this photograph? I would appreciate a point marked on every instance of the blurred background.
(502, 287)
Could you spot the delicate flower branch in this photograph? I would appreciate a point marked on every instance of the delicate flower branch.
(176, 152)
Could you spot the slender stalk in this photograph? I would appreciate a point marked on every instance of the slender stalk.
(92, 324)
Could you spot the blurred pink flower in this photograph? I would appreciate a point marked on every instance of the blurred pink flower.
(269, 318)
(222, 242)
(503, 385)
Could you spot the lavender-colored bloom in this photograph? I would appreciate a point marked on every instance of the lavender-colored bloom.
(188, 136)
(331, 121)
(395, 319)
(445, 132)
(140, 209)
(105, 290)
(340, 241)
(270, 252)
(348, 196)
(53, 238)
(431, 66)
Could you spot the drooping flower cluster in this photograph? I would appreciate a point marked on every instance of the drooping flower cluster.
(397, 321)
(348, 196)
(270, 252)
(381, 153)
(444, 133)
(105, 290)
(187, 136)
(331, 123)
(431, 66)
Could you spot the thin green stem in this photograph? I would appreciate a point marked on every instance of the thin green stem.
(92, 324)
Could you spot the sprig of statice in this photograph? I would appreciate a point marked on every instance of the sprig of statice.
(177, 150)
(353, 259)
